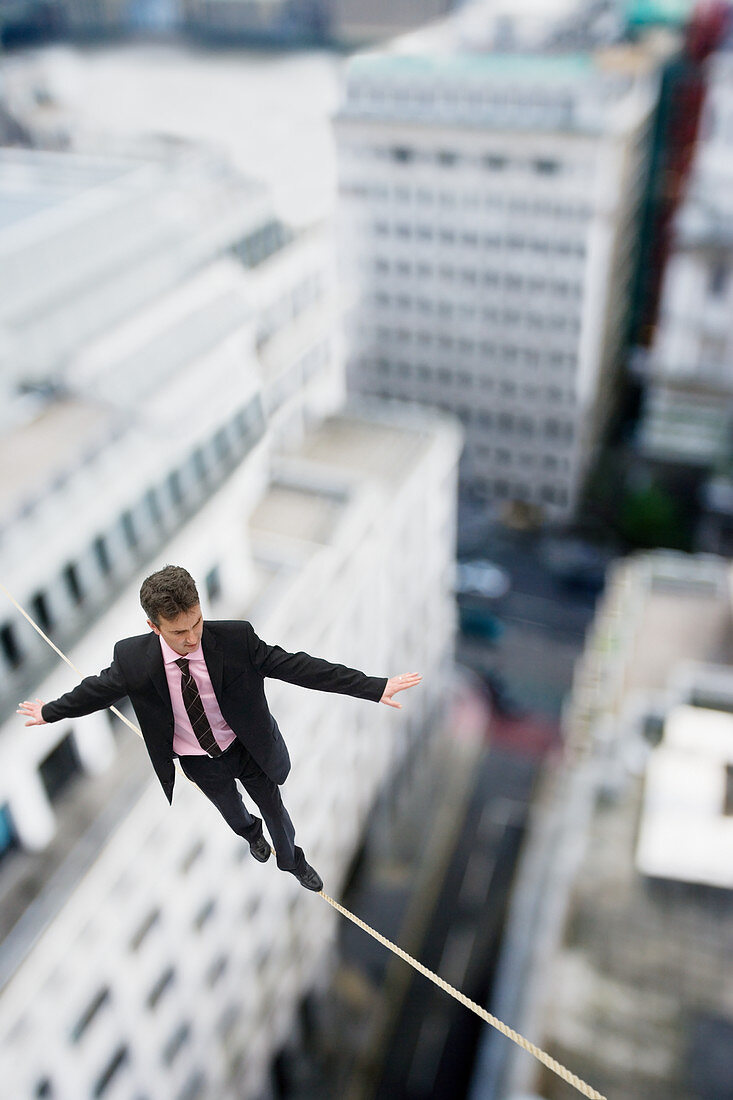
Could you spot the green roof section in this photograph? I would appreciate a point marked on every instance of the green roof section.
(648, 13)
(523, 66)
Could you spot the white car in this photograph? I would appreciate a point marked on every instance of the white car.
(481, 578)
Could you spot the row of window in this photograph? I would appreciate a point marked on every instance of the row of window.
(462, 380)
(205, 466)
(501, 489)
(509, 281)
(509, 240)
(552, 322)
(470, 200)
(558, 359)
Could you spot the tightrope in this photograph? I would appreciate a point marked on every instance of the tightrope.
(537, 1052)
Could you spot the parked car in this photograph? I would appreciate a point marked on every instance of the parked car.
(479, 577)
(477, 622)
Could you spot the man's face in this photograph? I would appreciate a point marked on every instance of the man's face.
(183, 634)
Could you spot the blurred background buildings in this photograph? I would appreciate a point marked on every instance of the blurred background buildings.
(316, 326)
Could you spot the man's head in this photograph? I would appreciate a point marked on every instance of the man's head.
(171, 602)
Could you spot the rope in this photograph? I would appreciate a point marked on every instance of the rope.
(487, 1017)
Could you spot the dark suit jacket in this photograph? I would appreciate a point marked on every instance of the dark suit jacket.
(238, 661)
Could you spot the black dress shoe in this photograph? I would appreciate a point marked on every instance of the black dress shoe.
(309, 878)
(260, 849)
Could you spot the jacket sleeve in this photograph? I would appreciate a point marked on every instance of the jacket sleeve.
(93, 693)
(313, 672)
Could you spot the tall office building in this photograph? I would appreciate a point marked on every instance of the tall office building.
(173, 393)
(489, 219)
(688, 377)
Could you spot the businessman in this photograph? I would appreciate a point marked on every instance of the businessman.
(197, 689)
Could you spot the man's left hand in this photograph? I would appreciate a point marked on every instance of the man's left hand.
(399, 683)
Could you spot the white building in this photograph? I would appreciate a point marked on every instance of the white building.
(172, 384)
(489, 206)
(688, 414)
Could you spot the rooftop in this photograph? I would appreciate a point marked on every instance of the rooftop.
(41, 452)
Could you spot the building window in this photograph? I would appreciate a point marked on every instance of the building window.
(44, 1089)
(153, 505)
(193, 1088)
(8, 835)
(205, 914)
(494, 163)
(84, 1021)
(59, 768)
(101, 553)
(116, 1063)
(199, 464)
(213, 584)
(129, 530)
(402, 154)
(546, 167)
(163, 983)
(71, 577)
(216, 970)
(10, 647)
(174, 487)
(174, 1044)
(142, 932)
(39, 603)
(718, 279)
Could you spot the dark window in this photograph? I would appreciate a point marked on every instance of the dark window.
(174, 487)
(89, 1013)
(129, 530)
(205, 914)
(59, 768)
(216, 970)
(402, 154)
(8, 835)
(494, 163)
(39, 603)
(44, 1089)
(163, 983)
(174, 1044)
(71, 577)
(546, 167)
(718, 279)
(118, 1060)
(221, 445)
(9, 642)
(151, 499)
(199, 464)
(101, 553)
(147, 925)
(213, 583)
(447, 158)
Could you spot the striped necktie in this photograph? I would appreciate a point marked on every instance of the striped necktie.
(195, 710)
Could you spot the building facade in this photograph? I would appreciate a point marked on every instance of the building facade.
(687, 416)
(489, 206)
(173, 389)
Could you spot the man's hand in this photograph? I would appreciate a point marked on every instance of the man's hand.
(32, 711)
(399, 683)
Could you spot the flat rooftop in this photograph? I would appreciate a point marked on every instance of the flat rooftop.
(295, 512)
(36, 454)
(366, 448)
(32, 181)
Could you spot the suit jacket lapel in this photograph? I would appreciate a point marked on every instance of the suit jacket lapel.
(156, 668)
(214, 657)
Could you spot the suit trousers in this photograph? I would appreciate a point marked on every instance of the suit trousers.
(216, 777)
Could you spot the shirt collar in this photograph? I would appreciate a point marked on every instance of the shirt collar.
(170, 655)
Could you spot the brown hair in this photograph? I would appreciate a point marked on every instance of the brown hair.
(167, 593)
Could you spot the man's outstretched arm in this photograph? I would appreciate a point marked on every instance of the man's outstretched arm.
(93, 693)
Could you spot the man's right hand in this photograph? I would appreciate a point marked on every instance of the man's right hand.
(32, 711)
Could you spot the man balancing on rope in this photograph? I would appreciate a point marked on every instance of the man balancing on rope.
(198, 693)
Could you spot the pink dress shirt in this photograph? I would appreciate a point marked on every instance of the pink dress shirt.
(185, 742)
